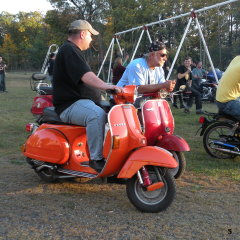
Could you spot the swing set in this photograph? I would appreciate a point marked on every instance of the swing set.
(192, 17)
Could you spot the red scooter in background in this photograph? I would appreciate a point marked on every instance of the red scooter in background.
(56, 150)
(158, 127)
(44, 94)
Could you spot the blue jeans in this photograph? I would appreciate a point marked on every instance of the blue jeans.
(2, 82)
(86, 113)
(231, 108)
(195, 93)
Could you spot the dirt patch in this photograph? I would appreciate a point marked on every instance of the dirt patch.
(204, 208)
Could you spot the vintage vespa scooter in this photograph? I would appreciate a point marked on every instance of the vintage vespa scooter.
(56, 150)
(44, 94)
(158, 127)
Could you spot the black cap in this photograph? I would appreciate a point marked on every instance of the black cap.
(156, 46)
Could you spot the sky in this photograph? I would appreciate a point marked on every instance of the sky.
(15, 6)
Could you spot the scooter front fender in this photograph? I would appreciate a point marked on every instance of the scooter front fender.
(150, 155)
(173, 143)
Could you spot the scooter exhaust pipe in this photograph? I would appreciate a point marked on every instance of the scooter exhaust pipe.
(38, 169)
(226, 150)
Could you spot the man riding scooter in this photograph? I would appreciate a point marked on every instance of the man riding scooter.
(147, 72)
(76, 89)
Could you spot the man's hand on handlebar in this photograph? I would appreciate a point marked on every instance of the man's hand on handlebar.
(112, 89)
(169, 85)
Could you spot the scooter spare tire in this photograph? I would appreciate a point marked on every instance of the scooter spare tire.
(152, 201)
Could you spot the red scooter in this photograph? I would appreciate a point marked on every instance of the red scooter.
(44, 94)
(158, 128)
(56, 150)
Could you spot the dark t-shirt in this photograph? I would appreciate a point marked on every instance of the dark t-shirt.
(2, 70)
(69, 67)
(183, 81)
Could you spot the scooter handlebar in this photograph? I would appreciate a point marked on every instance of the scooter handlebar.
(128, 95)
(111, 91)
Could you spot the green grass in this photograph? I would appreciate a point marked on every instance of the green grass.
(15, 113)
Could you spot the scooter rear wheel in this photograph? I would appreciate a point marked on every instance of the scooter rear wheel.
(152, 201)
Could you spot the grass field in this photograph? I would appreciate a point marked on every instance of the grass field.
(15, 113)
(205, 206)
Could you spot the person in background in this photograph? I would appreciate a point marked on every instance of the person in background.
(2, 75)
(147, 72)
(228, 91)
(193, 65)
(198, 74)
(76, 89)
(50, 65)
(185, 78)
(118, 70)
(126, 60)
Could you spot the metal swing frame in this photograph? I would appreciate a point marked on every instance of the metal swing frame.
(193, 16)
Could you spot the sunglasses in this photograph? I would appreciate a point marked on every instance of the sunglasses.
(163, 55)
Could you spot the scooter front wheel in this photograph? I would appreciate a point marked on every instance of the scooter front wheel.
(152, 201)
(180, 169)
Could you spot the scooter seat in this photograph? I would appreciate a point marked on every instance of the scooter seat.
(50, 116)
(44, 90)
(38, 76)
(224, 115)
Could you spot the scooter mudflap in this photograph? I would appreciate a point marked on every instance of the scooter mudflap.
(155, 186)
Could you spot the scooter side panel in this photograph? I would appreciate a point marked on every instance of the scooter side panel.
(124, 125)
(149, 155)
(173, 142)
(158, 119)
(107, 146)
(47, 145)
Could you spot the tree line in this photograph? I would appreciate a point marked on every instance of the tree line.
(25, 37)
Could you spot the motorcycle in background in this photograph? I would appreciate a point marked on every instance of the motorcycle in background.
(56, 150)
(209, 90)
(209, 85)
(221, 135)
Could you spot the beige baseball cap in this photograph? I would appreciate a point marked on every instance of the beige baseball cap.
(82, 25)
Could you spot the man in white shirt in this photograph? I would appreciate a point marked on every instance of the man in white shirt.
(147, 72)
